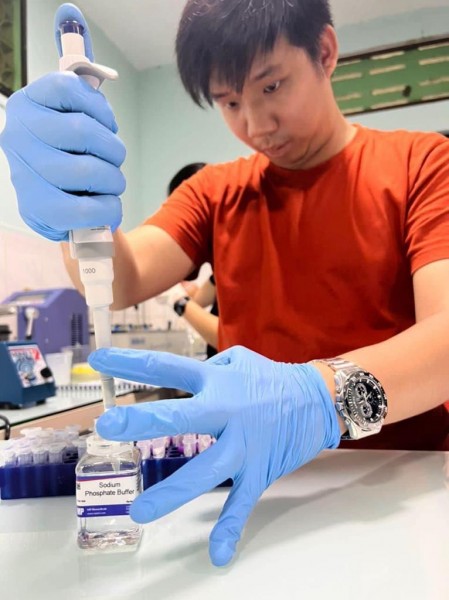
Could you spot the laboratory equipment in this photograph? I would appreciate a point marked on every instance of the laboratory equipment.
(52, 318)
(60, 364)
(75, 189)
(158, 447)
(40, 454)
(55, 451)
(108, 479)
(189, 444)
(44, 478)
(26, 378)
(94, 247)
(5, 332)
(168, 340)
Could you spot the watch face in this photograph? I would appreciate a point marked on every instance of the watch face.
(180, 306)
(364, 399)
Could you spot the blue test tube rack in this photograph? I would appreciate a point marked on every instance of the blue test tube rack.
(58, 479)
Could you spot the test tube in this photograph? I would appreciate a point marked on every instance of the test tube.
(189, 444)
(158, 446)
(81, 445)
(59, 435)
(21, 443)
(73, 428)
(45, 437)
(204, 441)
(8, 458)
(40, 454)
(145, 448)
(70, 452)
(177, 440)
(24, 456)
(71, 436)
(55, 452)
(31, 432)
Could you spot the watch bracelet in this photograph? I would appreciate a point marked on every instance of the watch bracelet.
(343, 369)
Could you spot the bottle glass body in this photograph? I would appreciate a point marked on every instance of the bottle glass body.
(108, 478)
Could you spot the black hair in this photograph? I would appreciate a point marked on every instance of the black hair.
(184, 174)
(224, 37)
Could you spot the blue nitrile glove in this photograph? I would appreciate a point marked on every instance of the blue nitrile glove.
(64, 155)
(269, 419)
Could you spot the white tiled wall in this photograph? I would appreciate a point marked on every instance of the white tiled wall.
(31, 262)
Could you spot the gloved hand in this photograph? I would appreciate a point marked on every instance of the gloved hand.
(269, 418)
(64, 155)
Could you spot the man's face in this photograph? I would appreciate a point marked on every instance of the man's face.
(285, 106)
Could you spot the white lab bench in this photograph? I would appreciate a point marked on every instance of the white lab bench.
(352, 524)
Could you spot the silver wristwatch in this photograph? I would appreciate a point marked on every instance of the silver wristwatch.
(360, 399)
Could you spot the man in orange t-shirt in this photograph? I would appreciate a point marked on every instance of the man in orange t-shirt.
(317, 262)
(330, 244)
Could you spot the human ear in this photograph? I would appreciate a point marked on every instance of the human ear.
(328, 50)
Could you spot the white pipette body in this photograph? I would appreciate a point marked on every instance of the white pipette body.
(94, 247)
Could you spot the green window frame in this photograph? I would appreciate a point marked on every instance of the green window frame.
(13, 66)
(393, 77)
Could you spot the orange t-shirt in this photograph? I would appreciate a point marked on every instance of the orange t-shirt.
(314, 263)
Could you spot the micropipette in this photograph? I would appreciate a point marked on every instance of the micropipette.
(93, 247)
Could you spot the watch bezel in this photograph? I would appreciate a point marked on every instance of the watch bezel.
(180, 305)
(351, 412)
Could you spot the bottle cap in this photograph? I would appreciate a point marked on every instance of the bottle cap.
(100, 447)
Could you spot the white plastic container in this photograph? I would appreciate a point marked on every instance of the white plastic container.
(60, 364)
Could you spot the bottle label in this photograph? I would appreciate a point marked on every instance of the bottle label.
(105, 495)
